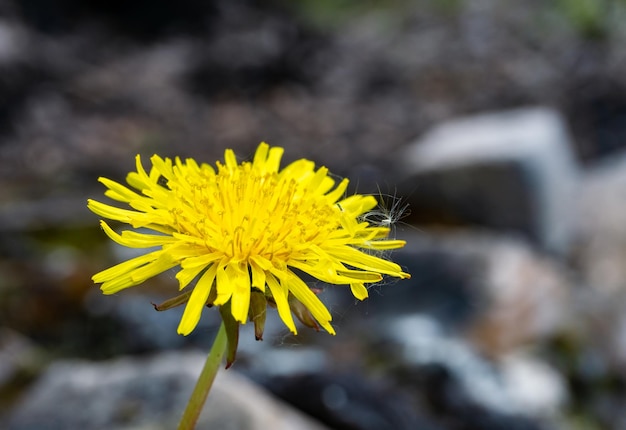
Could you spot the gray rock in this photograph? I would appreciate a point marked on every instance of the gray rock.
(517, 385)
(18, 355)
(348, 400)
(498, 291)
(147, 393)
(600, 256)
(534, 386)
(601, 225)
(513, 171)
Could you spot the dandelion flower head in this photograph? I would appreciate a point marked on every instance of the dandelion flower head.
(242, 235)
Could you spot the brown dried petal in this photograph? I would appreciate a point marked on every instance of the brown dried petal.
(232, 333)
(257, 313)
(173, 302)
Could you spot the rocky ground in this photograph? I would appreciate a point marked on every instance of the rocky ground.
(502, 125)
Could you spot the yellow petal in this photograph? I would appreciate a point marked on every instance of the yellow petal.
(200, 260)
(125, 267)
(133, 239)
(317, 179)
(360, 275)
(258, 276)
(359, 291)
(360, 260)
(111, 212)
(185, 276)
(240, 300)
(357, 204)
(224, 285)
(280, 294)
(163, 166)
(118, 191)
(384, 244)
(160, 265)
(138, 275)
(273, 160)
(229, 159)
(260, 156)
(197, 301)
(139, 179)
(338, 192)
(302, 292)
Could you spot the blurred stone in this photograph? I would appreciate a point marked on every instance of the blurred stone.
(423, 343)
(511, 296)
(350, 402)
(597, 113)
(513, 171)
(601, 225)
(462, 387)
(147, 393)
(12, 42)
(536, 387)
(527, 298)
(293, 361)
(17, 355)
(600, 253)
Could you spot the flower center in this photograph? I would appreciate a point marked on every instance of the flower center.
(241, 212)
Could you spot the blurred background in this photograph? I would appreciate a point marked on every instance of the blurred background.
(501, 124)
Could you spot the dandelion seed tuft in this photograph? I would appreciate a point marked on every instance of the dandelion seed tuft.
(387, 214)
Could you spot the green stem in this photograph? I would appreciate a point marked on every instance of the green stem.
(205, 381)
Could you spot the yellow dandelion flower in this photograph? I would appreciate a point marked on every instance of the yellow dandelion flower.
(244, 233)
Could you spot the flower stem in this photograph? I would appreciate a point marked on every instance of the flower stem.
(205, 381)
